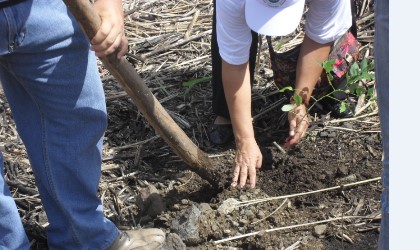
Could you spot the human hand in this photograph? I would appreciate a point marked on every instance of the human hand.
(299, 122)
(110, 36)
(247, 160)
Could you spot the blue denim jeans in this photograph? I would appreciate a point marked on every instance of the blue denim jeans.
(52, 85)
(382, 85)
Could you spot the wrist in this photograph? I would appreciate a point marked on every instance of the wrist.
(242, 141)
(301, 94)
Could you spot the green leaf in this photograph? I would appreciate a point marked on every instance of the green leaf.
(343, 107)
(288, 107)
(353, 86)
(189, 84)
(328, 65)
(367, 76)
(364, 65)
(286, 88)
(370, 91)
(297, 99)
(360, 90)
(354, 69)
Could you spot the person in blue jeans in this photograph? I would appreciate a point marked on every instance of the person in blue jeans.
(382, 86)
(50, 78)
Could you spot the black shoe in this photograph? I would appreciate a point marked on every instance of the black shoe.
(221, 134)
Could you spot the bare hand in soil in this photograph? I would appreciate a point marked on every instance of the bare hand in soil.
(299, 122)
(248, 159)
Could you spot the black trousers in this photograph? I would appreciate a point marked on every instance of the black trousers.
(220, 107)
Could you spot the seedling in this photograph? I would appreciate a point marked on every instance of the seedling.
(358, 72)
(191, 83)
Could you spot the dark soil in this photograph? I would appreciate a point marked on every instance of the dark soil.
(328, 157)
(137, 162)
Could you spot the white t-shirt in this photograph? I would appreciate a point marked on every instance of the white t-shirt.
(325, 21)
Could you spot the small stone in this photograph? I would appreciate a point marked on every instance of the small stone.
(228, 206)
(186, 225)
(205, 208)
(347, 125)
(324, 134)
(184, 202)
(150, 202)
(235, 223)
(249, 213)
(243, 198)
(332, 134)
(342, 171)
(243, 222)
(320, 230)
(329, 174)
(260, 214)
(173, 242)
(349, 178)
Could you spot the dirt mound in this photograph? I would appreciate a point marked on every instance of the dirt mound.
(144, 183)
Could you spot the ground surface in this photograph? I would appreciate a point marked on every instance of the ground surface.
(137, 162)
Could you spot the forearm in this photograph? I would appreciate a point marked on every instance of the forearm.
(237, 87)
(309, 67)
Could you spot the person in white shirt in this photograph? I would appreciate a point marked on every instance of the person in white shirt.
(236, 20)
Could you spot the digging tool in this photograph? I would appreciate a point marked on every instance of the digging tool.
(197, 160)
